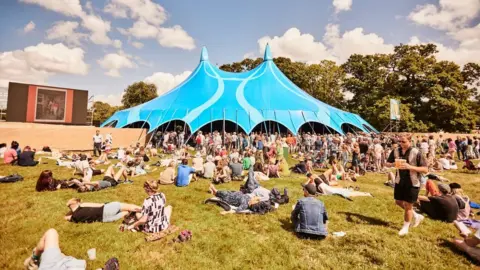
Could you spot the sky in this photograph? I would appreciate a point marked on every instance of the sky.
(104, 45)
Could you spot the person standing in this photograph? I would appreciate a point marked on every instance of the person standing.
(407, 180)
(97, 143)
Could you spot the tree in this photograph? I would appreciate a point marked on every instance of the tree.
(138, 93)
(102, 111)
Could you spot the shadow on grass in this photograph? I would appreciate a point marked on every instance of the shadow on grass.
(287, 224)
(352, 217)
(449, 244)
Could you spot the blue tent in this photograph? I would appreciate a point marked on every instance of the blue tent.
(246, 99)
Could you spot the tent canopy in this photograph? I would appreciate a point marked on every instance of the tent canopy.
(246, 99)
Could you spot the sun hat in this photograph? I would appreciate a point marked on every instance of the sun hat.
(445, 189)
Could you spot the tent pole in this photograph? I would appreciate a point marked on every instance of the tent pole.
(223, 129)
(236, 121)
(144, 125)
(211, 123)
(185, 125)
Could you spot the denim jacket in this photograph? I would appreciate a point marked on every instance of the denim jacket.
(310, 216)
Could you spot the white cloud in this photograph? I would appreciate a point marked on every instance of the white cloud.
(342, 5)
(65, 31)
(70, 8)
(35, 64)
(335, 46)
(112, 99)
(29, 27)
(113, 62)
(449, 15)
(166, 81)
(297, 46)
(171, 37)
(141, 29)
(117, 44)
(98, 27)
(115, 10)
(175, 37)
(354, 42)
(95, 24)
(137, 44)
(145, 10)
(460, 55)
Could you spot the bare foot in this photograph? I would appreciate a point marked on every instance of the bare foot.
(212, 189)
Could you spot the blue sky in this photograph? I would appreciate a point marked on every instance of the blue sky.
(307, 30)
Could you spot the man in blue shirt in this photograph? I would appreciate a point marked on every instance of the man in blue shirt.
(185, 174)
(309, 217)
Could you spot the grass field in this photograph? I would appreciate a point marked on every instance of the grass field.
(231, 241)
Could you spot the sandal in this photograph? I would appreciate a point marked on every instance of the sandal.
(159, 235)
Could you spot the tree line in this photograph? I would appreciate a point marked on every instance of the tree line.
(435, 95)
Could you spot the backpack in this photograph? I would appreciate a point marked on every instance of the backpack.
(11, 178)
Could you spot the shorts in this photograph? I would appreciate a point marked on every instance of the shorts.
(96, 172)
(104, 184)
(110, 179)
(112, 212)
(406, 192)
(52, 258)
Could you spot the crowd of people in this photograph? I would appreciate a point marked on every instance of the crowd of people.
(330, 163)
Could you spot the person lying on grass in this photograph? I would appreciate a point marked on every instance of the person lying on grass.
(110, 179)
(235, 198)
(46, 182)
(309, 216)
(47, 255)
(155, 215)
(97, 212)
(469, 245)
(326, 189)
(444, 207)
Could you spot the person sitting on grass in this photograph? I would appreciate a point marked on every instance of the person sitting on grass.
(222, 173)
(300, 168)
(209, 168)
(97, 212)
(155, 215)
(11, 155)
(47, 255)
(463, 201)
(46, 182)
(469, 245)
(444, 207)
(237, 169)
(309, 216)
(185, 174)
(197, 163)
(272, 169)
(167, 177)
(27, 158)
(247, 162)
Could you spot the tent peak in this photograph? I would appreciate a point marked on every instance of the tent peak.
(268, 54)
(204, 54)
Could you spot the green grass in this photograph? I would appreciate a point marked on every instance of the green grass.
(231, 241)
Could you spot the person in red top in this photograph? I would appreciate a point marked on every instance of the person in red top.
(11, 156)
(432, 189)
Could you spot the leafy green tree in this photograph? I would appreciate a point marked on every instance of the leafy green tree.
(138, 93)
(102, 111)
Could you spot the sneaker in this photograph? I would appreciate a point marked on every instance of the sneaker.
(403, 231)
(30, 264)
(419, 218)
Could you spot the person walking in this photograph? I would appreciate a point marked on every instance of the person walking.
(97, 143)
(407, 180)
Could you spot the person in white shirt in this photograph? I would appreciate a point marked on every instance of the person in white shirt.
(97, 143)
(109, 138)
(120, 153)
(209, 168)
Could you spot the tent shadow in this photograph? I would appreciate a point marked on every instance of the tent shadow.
(354, 218)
